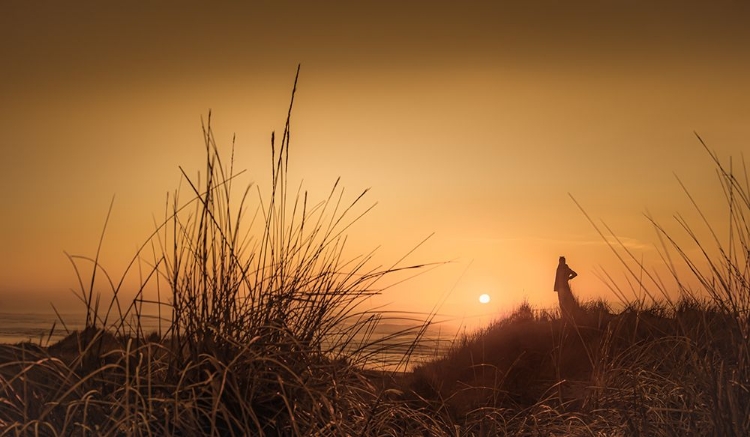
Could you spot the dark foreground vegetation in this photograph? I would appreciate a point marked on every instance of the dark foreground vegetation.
(267, 337)
(678, 370)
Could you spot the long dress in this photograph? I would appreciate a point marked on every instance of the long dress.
(568, 304)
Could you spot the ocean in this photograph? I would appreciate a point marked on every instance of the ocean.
(36, 328)
(47, 328)
(386, 345)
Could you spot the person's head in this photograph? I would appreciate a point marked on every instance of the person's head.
(562, 260)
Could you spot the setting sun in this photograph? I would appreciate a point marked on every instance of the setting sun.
(485, 298)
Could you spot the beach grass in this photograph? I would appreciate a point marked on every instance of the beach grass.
(659, 366)
(267, 335)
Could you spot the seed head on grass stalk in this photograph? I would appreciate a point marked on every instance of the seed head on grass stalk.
(267, 309)
(679, 380)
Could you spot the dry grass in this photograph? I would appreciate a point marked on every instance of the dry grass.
(658, 367)
(651, 371)
(266, 332)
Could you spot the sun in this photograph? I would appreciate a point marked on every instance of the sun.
(485, 298)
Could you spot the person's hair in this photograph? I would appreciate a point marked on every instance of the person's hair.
(562, 259)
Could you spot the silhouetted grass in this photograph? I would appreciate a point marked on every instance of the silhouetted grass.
(655, 370)
(657, 367)
(266, 335)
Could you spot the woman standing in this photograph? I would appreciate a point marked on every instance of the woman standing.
(568, 304)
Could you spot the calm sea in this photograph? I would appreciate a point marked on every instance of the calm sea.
(387, 343)
(47, 329)
(18, 327)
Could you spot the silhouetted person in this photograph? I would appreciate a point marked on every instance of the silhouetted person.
(568, 304)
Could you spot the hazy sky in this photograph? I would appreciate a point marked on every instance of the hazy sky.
(472, 120)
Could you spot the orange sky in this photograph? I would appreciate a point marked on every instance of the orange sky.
(472, 122)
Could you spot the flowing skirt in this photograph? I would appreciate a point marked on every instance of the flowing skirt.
(568, 303)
